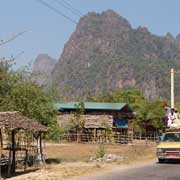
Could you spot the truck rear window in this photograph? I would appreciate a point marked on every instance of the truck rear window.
(171, 137)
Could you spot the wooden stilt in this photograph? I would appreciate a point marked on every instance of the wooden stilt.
(94, 135)
(13, 167)
(9, 165)
(40, 145)
(0, 172)
(0, 150)
(1, 142)
(26, 159)
(40, 150)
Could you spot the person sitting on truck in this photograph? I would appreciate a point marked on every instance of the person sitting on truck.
(167, 108)
(167, 111)
(176, 122)
(171, 117)
(178, 115)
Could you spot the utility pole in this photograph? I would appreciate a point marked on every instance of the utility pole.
(172, 88)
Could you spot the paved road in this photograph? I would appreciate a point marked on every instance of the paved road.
(149, 172)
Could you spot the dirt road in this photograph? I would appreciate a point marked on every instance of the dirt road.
(170, 171)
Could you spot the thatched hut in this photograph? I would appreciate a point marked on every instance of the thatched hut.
(17, 134)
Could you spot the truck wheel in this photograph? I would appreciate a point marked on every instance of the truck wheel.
(161, 161)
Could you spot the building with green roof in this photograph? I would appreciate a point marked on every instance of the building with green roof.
(98, 116)
(91, 106)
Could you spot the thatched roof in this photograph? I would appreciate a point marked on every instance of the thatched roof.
(15, 120)
(91, 121)
(99, 121)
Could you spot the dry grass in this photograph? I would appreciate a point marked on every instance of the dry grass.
(83, 152)
(70, 152)
(74, 160)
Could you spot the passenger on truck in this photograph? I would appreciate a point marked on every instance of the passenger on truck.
(171, 117)
(176, 122)
(167, 111)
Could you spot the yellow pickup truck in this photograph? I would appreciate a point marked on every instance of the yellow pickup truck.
(169, 146)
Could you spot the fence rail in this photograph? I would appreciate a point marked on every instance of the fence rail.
(116, 139)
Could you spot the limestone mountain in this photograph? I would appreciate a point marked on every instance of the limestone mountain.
(106, 53)
(42, 68)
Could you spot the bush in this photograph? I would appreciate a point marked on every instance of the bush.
(101, 151)
(55, 133)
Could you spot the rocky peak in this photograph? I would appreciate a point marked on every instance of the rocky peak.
(178, 41)
(143, 29)
(106, 19)
(112, 17)
(110, 13)
(42, 67)
(44, 63)
(178, 37)
(169, 37)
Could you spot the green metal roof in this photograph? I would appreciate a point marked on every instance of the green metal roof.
(91, 105)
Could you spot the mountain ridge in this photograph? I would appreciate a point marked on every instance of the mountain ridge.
(105, 53)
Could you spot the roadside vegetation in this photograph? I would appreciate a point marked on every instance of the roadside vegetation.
(18, 92)
(148, 113)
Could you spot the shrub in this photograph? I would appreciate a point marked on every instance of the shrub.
(101, 151)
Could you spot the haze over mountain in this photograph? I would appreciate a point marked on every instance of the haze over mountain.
(105, 53)
(43, 67)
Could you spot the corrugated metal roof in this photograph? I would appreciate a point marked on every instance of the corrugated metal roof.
(91, 105)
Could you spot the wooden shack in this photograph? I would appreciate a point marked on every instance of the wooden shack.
(20, 141)
(98, 117)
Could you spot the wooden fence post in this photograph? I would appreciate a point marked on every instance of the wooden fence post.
(13, 168)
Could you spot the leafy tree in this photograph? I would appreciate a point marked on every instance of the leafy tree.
(53, 92)
(78, 121)
(150, 113)
(147, 112)
(19, 93)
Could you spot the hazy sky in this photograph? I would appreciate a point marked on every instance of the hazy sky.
(48, 31)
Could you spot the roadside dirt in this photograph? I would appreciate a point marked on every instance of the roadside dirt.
(73, 160)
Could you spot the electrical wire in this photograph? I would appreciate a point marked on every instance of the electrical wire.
(3, 42)
(69, 7)
(56, 11)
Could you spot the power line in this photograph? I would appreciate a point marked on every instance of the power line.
(56, 10)
(3, 42)
(72, 7)
(69, 7)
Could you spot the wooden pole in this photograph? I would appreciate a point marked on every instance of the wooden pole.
(94, 135)
(41, 150)
(26, 160)
(13, 168)
(1, 141)
(9, 165)
(172, 88)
